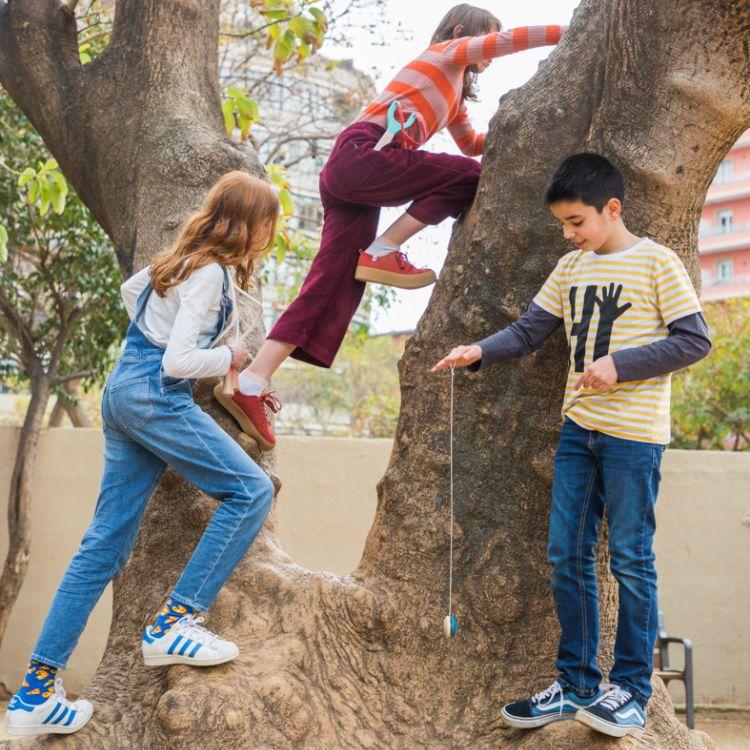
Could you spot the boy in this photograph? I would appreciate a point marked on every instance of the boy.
(631, 317)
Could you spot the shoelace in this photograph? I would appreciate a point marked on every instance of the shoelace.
(190, 625)
(60, 693)
(544, 698)
(271, 401)
(403, 261)
(615, 698)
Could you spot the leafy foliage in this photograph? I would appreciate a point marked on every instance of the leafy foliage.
(711, 400)
(61, 308)
(358, 397)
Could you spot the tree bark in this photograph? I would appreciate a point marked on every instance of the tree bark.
(19, 499)
(360, 661)
(68, 407)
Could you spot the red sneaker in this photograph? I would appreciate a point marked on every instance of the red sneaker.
(393, 269)
(251, 413)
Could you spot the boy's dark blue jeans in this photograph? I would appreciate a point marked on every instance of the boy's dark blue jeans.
(593, 471)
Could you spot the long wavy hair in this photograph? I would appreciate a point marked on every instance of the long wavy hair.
(224, 230)
(475, 22)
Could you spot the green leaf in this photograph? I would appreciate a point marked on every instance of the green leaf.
(319, 16)
(60, 180)
(33, 192)
(235, 92)
(287, 203)
(274, 15)
(3, 244)
(282, 244)
(51, 164)
(58, 202)
(302, 27)
(227, 110)
(46, 198)
(26, 175)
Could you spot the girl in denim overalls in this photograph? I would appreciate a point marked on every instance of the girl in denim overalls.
(151, 422)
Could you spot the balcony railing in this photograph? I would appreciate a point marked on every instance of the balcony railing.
(731, 179)
(738, 228)
(711, 280)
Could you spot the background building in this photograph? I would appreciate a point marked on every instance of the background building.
(724, 240)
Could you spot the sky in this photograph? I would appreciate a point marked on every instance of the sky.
(418, 20)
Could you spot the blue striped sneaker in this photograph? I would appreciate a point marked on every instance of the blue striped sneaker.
(556, 703)
(55, 716)
(617, 714)
(186, 642)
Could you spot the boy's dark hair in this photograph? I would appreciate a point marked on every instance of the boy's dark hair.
(589, 178)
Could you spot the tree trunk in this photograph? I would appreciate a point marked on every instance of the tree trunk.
(69, 407)
(360, 661)
(19, 500)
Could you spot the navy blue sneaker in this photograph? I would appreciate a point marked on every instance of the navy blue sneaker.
(617, 714)
(553, 704)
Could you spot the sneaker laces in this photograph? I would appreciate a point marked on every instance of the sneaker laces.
(615, 698)
(60, 693)
(271, 402)
(190, 625)
(403, 261)
(544, 698)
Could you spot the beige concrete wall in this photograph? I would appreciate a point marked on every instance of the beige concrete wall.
(325, 511)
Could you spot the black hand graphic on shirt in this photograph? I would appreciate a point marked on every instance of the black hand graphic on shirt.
(609, 312)
(581, 329)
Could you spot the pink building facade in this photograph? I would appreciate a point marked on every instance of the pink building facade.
(724, 240)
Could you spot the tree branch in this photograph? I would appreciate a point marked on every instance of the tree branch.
(15, 321)
(80, 375)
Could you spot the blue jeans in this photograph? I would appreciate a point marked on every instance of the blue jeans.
(594, 471)
(151, 421)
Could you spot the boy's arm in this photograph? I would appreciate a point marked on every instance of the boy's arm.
(519, 339)
(474, 49)
(688, 342)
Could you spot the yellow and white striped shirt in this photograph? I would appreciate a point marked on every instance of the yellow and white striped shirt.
(615, 301)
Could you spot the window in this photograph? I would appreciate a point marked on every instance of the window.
(724, 173)
(724, 270)
(724, 221)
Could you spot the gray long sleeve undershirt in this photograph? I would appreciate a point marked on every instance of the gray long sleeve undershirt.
(688, 341)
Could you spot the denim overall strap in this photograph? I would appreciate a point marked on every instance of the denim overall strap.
(225, 310)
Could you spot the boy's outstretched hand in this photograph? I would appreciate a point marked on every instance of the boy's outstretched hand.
(461, 356)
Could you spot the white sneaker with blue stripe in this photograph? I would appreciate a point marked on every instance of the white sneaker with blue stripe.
(55, 716)
(556, 703)
(617, 714)
(186, 642)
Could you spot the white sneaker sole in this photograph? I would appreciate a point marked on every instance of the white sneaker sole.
(539, 721)
(594, 722)
(44, 729)
(164, 660)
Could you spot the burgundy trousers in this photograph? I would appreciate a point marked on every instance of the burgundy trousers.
(354, 184)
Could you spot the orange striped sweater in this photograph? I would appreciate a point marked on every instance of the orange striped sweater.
(431, 85)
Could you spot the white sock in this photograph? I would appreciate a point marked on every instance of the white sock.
(380, 248)
(251, 385)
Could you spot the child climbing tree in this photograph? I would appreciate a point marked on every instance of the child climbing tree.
(60, 311)
(360, 661)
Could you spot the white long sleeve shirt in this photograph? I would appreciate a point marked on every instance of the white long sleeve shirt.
(183, 321)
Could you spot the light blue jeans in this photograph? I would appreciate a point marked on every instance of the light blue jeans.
(151, 421)
(594, 471)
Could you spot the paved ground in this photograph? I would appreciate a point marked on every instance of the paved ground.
(730, 730)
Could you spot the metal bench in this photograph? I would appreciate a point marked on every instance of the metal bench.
(663, 670)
